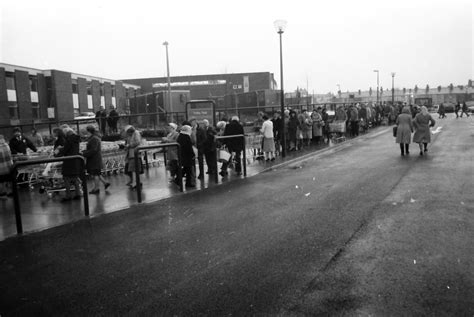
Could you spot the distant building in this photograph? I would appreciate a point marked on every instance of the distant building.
(420, 95)
(209, 86)
(32, 95)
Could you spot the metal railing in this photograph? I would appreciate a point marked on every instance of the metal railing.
(138, 167)
(16, 199)
(243, 158)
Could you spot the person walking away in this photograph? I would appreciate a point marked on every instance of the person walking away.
(101, 118)
(188, 159)
(442, 111)
(293, 124)
(36, 138)
(457, 107)
(133, 140)
(268, 139)
(404, 124)
(209, 147)
(422, 123)
(6, 164)
(19, 144)
(113, 120)
(464, 109)
(71, 169)
(318, 124)
(93, 155)
(234, 145)
(172, 152)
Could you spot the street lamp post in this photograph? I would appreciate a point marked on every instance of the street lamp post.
(169, 81)
(393, 90)
(280, 27)
(377, 71)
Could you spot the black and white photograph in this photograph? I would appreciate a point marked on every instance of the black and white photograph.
(237, 158)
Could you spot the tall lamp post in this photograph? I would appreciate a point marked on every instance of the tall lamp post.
(393, 90)
(280, 26)
(169, 81)
(377, 71)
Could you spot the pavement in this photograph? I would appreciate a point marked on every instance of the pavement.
(40, 211)
(354, 229)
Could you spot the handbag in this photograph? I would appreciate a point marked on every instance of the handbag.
(223, 155)
(395, 128)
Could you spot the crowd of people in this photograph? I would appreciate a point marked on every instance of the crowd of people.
(197, 140)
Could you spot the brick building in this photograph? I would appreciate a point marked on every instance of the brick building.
(210, 86)
(33, 95)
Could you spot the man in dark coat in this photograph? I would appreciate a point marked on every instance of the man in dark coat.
(19, 144)
(235, 145)
(113, 119)
(101, 118)
(188, 158)
(277, 128)
(209, 147)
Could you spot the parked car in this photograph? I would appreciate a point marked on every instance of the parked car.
(434, 109)
(448, 107)
(470, 106)
(85, 115)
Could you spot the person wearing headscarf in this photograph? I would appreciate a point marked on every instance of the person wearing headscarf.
(71, 169)
(132, 141)
(172, 152)
(404, 130)
(93, 155)
(422, 123)
(188, 158)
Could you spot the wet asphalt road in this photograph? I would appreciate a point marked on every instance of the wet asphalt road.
(335, 234)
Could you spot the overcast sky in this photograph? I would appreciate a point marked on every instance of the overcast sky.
(325, 43)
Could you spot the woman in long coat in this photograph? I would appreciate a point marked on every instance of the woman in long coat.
(317, 125)
(422, 122)
(93, 154)
(404, 130)
(293, 125)
(71, 169)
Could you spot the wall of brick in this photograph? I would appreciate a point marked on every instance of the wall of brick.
(23, 96)
(119, 96)
(96, 95)
(108, 95)
(43, 97)
(82, 94)
(4, 111)
(62, 88)
(257, 81)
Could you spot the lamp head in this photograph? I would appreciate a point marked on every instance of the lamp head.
(165, 43)
(280, 25)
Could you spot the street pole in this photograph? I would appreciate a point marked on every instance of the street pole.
(169, 82)
(377, 71)
(280, 26)
(393, 90)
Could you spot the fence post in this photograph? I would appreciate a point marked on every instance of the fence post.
(216, 174)
(137, 175)
(16, 201)
(85, 193)
(244, 156)
(180, 170)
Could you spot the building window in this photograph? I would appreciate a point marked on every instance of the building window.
(10, 79)
(35, 110)
(13, 108)
(113, 90)
(89, 88)
(101, 89)
(33, 83)
(74, 86)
